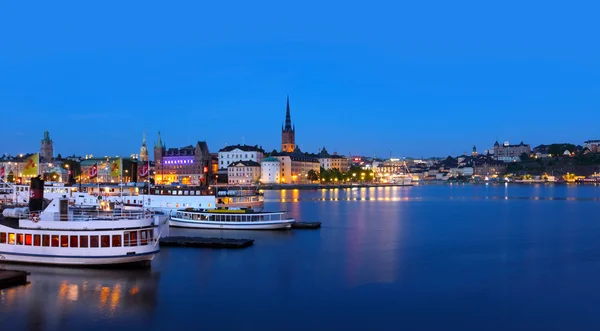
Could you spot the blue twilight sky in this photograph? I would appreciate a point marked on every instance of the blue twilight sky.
(414, 78)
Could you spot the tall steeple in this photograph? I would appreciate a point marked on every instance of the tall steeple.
(288, 132)
(159, 142)
(288, 117)
(144, 149)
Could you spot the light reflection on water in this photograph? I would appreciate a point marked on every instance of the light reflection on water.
(515, 256)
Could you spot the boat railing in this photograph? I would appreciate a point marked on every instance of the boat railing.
(95, 215)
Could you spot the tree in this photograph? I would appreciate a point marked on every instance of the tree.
(11, 177)
(524, 156)
(324, 175)
(313, 175)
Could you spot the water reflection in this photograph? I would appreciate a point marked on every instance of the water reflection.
(54, 293)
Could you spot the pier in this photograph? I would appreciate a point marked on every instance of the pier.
(9, 278)
(306, 225)
(205, 242)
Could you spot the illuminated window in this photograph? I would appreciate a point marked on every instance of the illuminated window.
(20, 238)
(64, 241)
(2, 237)
(45, 240)
(28, 239)
(55, 242)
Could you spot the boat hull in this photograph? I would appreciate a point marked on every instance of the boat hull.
(143, 259)
(267, 225)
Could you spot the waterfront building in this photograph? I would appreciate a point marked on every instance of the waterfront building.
(510, 153)
(294, 167)
(243, 172)
(189, 165)
(334, 161)
(12, 166)
(592, 145)
(143, 150)
(270, 170)
(236, 153)
(109, 169)
(389, 167)
(288, 132)
(489, 168)
(46, 148)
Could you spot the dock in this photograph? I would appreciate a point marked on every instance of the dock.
(9, 278)
(205, 242)
(306, 225)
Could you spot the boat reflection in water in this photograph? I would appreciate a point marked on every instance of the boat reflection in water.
(66, 298)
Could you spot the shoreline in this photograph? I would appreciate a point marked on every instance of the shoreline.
(274, 187)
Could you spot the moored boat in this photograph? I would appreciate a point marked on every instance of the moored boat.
(66, 236)
(229, 219)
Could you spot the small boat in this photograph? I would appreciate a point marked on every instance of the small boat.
(61, 235)
(230, 219)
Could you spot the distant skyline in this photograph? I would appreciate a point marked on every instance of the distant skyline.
(417, 79)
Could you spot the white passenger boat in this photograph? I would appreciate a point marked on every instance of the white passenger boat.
(69, 236)
(240, 197)
(228, 219)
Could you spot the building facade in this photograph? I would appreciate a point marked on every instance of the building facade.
(510, 153)
(243, 172)
(288, 132)
(489, 169)
(236, 153)
(334, 161)
(189, 165)
(294, 167)
(46, 148)
(270, 168)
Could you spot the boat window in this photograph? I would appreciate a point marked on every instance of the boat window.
(19, 239)
(2, 237)
(74, 241)
(116, 240)
(94, 241)
(151, 235)
(186, 192)
(64, 241)
(55, 242)
(45, 240)
(28, 240)
(11, 238)
(105, 241)
(126, 239)
(143, 237)
(133, 238)
(83, 241)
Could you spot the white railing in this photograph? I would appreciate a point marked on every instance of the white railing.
(86, 216)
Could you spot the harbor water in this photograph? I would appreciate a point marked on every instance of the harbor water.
(428, 257)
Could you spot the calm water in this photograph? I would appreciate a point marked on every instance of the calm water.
(433, 257)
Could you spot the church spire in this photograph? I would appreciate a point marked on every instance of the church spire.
(144, 138)
(159, 142)
(288, 119)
